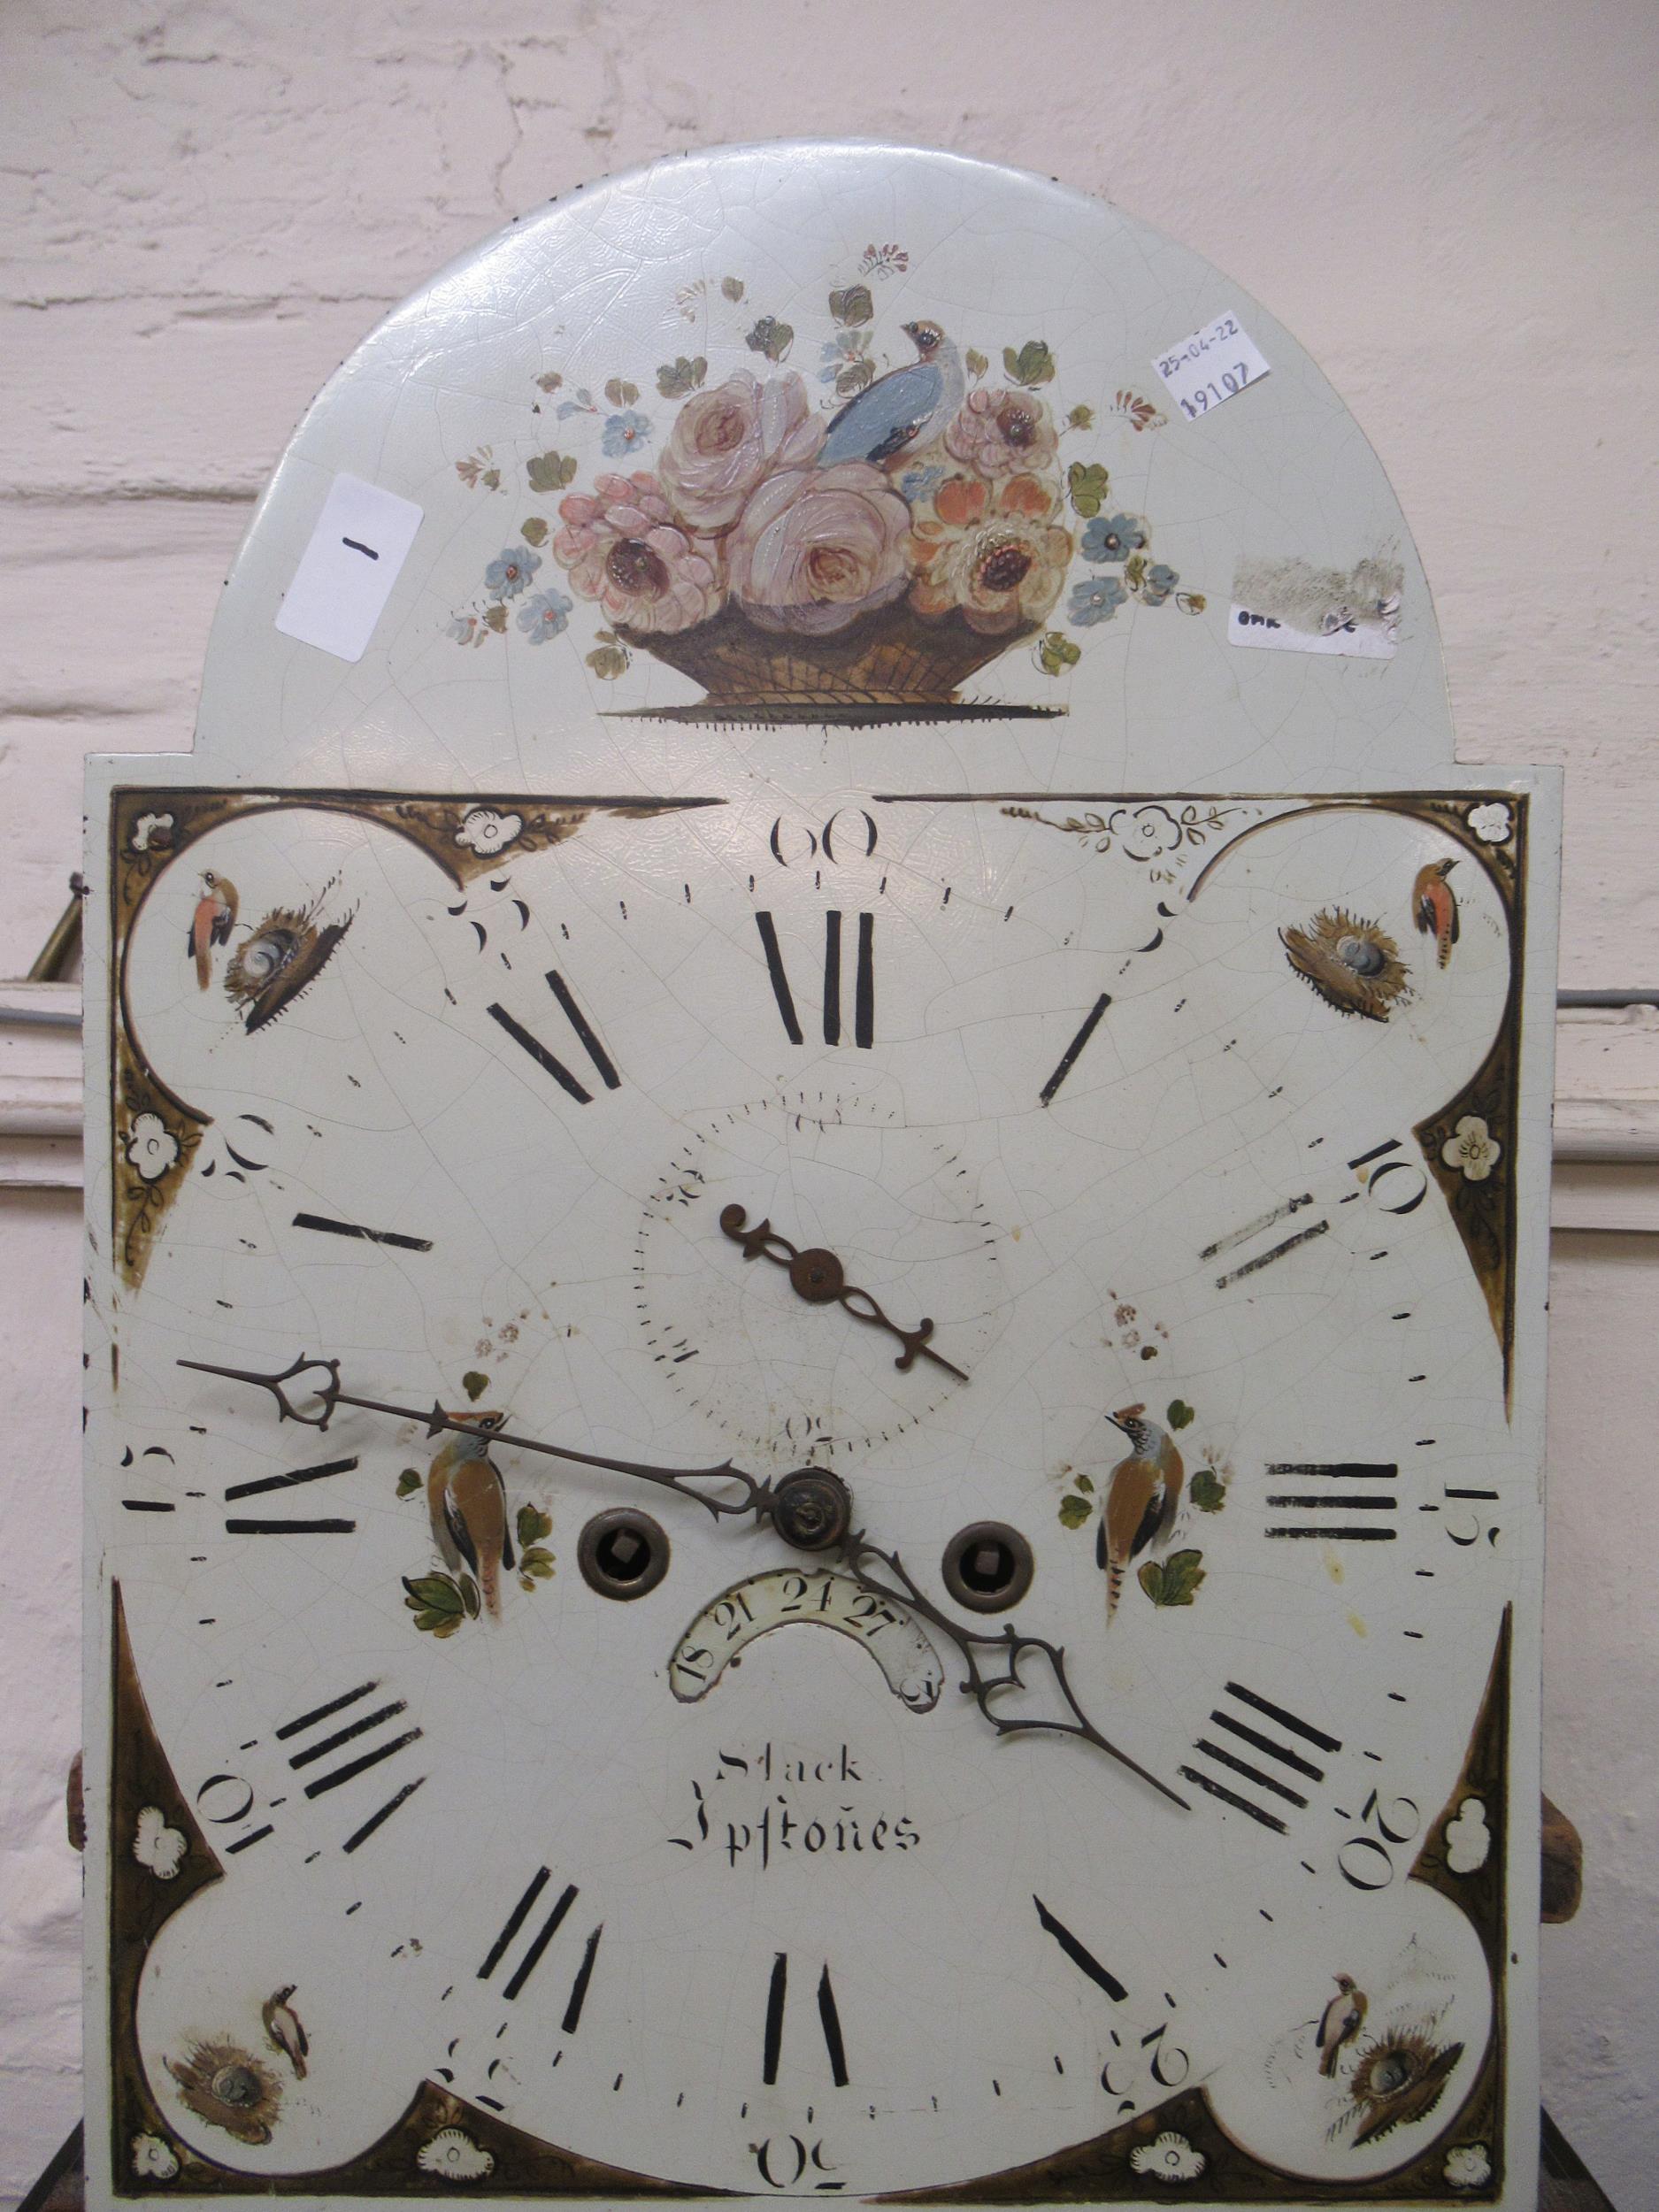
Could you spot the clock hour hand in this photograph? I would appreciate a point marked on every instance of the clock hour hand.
(818, 1276)
(994, 1660)
(809, 1509)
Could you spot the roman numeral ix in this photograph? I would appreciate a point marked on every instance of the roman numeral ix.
(863, 979)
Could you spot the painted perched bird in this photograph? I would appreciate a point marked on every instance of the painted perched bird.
(1341, 2022)
(906, 407)
(467, 1502)
(1142, 1492)
(210, 924)
(1434, 906)
(282, 2025)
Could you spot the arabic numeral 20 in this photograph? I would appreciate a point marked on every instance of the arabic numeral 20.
(1365, 1861)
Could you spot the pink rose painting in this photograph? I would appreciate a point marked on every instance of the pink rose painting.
(817, 548)
(853, 552)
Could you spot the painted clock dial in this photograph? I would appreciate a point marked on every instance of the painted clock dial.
(810, 1475)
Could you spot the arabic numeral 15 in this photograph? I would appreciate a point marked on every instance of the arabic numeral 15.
(1365, 1860)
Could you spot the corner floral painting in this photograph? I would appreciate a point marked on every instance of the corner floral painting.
(856, 552)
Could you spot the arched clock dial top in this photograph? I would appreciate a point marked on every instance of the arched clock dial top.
(787, 1113)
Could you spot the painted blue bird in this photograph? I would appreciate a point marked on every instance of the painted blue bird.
(904, 408)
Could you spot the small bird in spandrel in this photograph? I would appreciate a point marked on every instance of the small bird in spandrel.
(282, 2025)
(211, 923)
(1341, 2022)
(467, 1501)
(1142, 1493)
(1434, 907)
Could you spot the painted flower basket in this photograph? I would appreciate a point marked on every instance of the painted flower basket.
(858, 558)
(889, 659)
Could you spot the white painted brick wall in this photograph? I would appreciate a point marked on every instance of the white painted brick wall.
(203, 203)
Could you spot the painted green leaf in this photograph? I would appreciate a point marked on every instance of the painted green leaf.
(1084, 1482)
(408, 1482)
(495, 618)
(1032, 365)
(770, 337)
(550, 380)
(853, 378)
(539, 1563)
(1074, 1511)
(533, 530)
(607, 662)
(975, 363)
(491, 480)
(1176, 1580)
(676, 378)
(532, 1525)
(852, 304)
(1056, 652)
(550, 471)
(469, 1596)
(433, 1594)
(474, 1384)
(1180, 1414)
(620, 394)
(1209, 1493)
(1135, 570)
(1080, 418)
(1088, 486)
(1191, 601)
(732, 288)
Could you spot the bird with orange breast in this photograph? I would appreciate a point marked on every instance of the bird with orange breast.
(211, 923)
(1434, 907)
(1142, 1493)
(467, 1501)
(1341, 2022)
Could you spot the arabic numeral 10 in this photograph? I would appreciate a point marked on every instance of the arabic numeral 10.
(1365, 1861)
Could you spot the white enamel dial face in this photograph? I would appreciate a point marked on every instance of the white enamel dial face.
(651, 1873)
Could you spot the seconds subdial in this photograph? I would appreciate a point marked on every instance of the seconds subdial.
(791, 1377)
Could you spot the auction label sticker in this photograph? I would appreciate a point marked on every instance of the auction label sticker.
(346, 574)
(1210, 367)
(1358, 639)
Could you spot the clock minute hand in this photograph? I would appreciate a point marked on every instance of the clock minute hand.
(983, 1685)
(313, 1404)
(818, 1276)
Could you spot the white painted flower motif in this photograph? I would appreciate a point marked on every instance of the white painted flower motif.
(158, 1847)
(152, 833)
(486, 832)
(454, 2157)
(1170, 2159)
(1468, 2166)
(1145, 831)
(1490, 822)
(153, 2158)
(1472, 1148)
(152, 1149)
(1467, 1838)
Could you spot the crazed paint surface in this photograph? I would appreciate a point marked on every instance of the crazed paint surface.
(244, 295)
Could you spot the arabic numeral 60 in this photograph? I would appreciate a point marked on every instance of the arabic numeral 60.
(1365, 1859)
